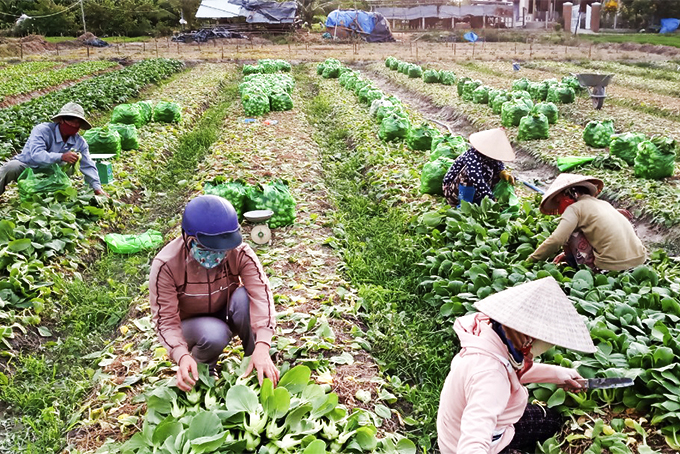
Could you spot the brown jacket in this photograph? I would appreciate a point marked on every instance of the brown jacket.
(615, 244)
(180, 288)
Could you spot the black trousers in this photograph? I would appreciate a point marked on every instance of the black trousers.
(536, 425)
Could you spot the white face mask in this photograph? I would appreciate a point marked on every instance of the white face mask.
(539, 347)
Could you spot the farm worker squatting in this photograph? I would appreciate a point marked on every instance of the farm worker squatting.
(473, 174)
(591, 230)
(483, 407)
(54, 142)
(207, 285)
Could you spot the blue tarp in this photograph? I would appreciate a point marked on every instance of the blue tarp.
(360, 21)
(372, 26)
(669, 25)
(471, 36)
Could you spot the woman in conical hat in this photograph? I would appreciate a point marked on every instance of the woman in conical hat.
(483, 407)
(592, 231)
(474, 173)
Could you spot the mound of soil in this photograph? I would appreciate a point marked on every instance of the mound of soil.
(29, 44)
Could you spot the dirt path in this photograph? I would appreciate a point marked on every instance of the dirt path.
(525, 167)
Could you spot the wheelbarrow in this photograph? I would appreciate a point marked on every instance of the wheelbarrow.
(596, 85)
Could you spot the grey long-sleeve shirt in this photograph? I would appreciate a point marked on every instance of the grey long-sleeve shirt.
(46, 145)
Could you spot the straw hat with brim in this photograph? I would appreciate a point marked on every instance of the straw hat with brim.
(72, 109)
(541, 310)
(493, 143)
(564, 181)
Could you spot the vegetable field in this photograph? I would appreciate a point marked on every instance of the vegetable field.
(368, 265)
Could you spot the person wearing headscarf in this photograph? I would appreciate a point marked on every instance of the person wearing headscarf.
(473, 174)
(206, 286)
(55, 142)
(483, 407)
(591, 231)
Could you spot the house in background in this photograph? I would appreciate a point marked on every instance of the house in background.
(249, 14)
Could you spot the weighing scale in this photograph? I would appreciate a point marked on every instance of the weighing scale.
(260, 233)
(104, 167)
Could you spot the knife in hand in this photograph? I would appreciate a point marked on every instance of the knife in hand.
(604, 383)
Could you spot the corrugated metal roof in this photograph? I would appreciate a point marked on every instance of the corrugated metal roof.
(218, 9)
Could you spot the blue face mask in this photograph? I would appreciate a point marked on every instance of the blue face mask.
(206, 258)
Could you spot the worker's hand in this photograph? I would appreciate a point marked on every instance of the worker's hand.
(559, 258)
(569, 379)
(101, 192)
(187, 374)
(507, 176)
(70, 157)
(262, 362)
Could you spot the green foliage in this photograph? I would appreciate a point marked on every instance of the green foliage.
(99, 93)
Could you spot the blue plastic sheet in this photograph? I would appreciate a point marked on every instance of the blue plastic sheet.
(669, 25)
(471, 36)
(361, 21)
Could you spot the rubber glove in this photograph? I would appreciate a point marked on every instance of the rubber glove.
(507, 176)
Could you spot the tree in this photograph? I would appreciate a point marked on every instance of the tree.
(648, 12)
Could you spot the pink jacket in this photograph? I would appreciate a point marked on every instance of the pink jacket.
(180, 288)
(482, 395)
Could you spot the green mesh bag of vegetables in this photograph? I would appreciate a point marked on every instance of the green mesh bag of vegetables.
(656, 158)
(280, 102)
(389, 62)
(512, 113)
(520, 84)
(420, 138)
(461, 85)
(275, 196)
(331, 72)
(129, 139)
(127, 114)
(352, 81)
(394, 127)
(598, 134)
(387, 110)
(447, 77)
(481, 95)
(521, 94)
(372, 95)
(457, 143)
(359, 85)
(394, 65)
(572, 82)
(538, 90)
(130, 244)
(415, 71)
(401, 65)
(533, 126)
(103, 141)
(470, 86)
(432, 176)
(236, 192)
(45, 180)
(167, 112)
(255, 103)
(431, 76)
(493, 93)
(145, 110)
(319, 68)
(283, 65)
(251, 69)
(363, 93)
(549, 110)
(498, 101)
(561, 94)
(625, 146)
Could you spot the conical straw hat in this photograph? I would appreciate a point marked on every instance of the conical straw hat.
(565, 181)
(541, 310)
(493, 143)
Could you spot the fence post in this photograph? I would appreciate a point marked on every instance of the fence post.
(531, 48)
(222, 51)
(590, 50)
(88, 50)
(155, 40)
(21, 49)
(57, 48)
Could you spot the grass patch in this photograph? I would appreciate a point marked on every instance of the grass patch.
(671, 39)
(381, 248)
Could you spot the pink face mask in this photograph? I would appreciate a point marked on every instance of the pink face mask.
(67, 130)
